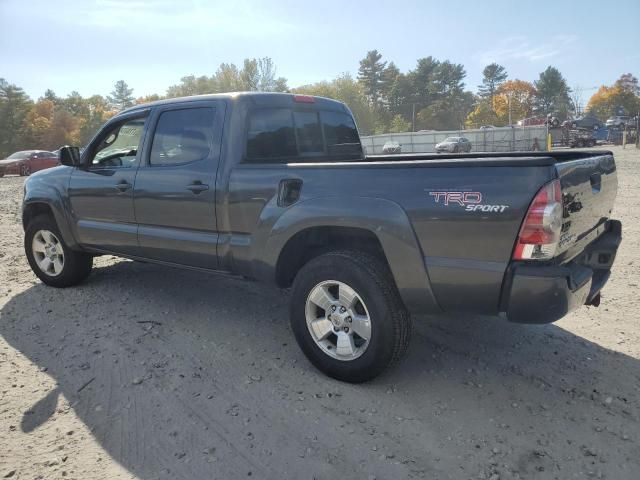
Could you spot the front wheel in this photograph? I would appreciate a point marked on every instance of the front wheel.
(25, 170)
(347, 315)
(50, 258)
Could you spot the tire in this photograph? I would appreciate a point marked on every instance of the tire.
(389, 324)
(76, 266)
(25, 170)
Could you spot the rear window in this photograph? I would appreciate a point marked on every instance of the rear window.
(283, 134)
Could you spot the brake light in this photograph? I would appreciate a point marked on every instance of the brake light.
(304, 99)
(540, 231)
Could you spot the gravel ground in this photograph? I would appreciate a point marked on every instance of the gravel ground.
(146, 372)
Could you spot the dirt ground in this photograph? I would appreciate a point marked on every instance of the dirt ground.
(147, 372)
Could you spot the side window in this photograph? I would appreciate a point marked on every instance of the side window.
(271, 134)
(308, 133)
(119, 145)
(182, 136)
(340, 134)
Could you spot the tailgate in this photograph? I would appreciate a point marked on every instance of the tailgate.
(589, 187)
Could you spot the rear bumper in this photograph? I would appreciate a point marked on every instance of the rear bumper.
(546, 293)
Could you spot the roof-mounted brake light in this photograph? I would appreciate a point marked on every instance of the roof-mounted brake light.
(304, 99)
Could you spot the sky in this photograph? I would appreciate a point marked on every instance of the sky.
(87, 45)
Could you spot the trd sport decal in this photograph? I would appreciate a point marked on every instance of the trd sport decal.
(470, 201)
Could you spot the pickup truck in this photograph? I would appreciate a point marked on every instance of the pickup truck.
(276, 188)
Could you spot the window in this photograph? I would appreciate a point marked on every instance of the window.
(308, 133)
(271, 134)
(283, 134)
(341, 135)
(182, 136)
(119, 145)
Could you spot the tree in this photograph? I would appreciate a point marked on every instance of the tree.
(553, 94)
(482, 114)
(628, 82)
(371, 76)
(608, 100)
(516, 96)
(14, 106)
(98, 112)
(37, 123)
(399, 125)
(121, 97)
(493, 76)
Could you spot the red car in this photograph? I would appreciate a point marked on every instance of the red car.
(26, 162)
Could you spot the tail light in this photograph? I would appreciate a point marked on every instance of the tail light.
(540, 232)
(304, 99)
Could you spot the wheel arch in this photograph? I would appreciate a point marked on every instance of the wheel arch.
(374, 225)
(32, 207)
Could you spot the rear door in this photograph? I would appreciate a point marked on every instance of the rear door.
(174, 193)
(589, 187)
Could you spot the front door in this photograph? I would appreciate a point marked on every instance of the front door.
(101, 191)
(175, 186)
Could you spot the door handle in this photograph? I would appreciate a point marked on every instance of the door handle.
(197, 187)
(123, 186)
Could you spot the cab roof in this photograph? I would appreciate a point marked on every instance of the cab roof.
(273, 99)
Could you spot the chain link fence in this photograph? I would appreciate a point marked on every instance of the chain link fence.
(499, 139)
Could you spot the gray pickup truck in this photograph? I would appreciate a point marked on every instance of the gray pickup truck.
(275, 187)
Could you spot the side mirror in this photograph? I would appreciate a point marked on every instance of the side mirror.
(70, 156)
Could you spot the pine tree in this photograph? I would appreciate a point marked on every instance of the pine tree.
(371, 76)
(553, 93)
(121, 97)
(493, 76)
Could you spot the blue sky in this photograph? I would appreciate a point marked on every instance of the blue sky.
(88, 45)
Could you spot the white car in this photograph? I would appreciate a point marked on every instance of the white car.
(619, 121)
(454, 145)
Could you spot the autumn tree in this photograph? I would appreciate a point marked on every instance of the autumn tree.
(608, 100)
(516, 96)
(37, 124)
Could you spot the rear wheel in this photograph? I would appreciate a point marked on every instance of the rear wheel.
(347, 316)
(50, 258)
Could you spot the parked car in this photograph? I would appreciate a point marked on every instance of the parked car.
(454, 145)
(391, 148)
(275, 187)
(486, 127)
(588, 121)
(619, 121)
(527, 122)
(26, 162)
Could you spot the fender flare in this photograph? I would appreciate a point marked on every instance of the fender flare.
(51, 198)
(384, 218)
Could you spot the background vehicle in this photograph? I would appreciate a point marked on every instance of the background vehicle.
(26, 162)
(525, 122)
(454, 145)
(275, 187)
(619, 121)
(588, 121)
(390, 148)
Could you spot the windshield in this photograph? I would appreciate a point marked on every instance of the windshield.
(451, 139)
(19, 155)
